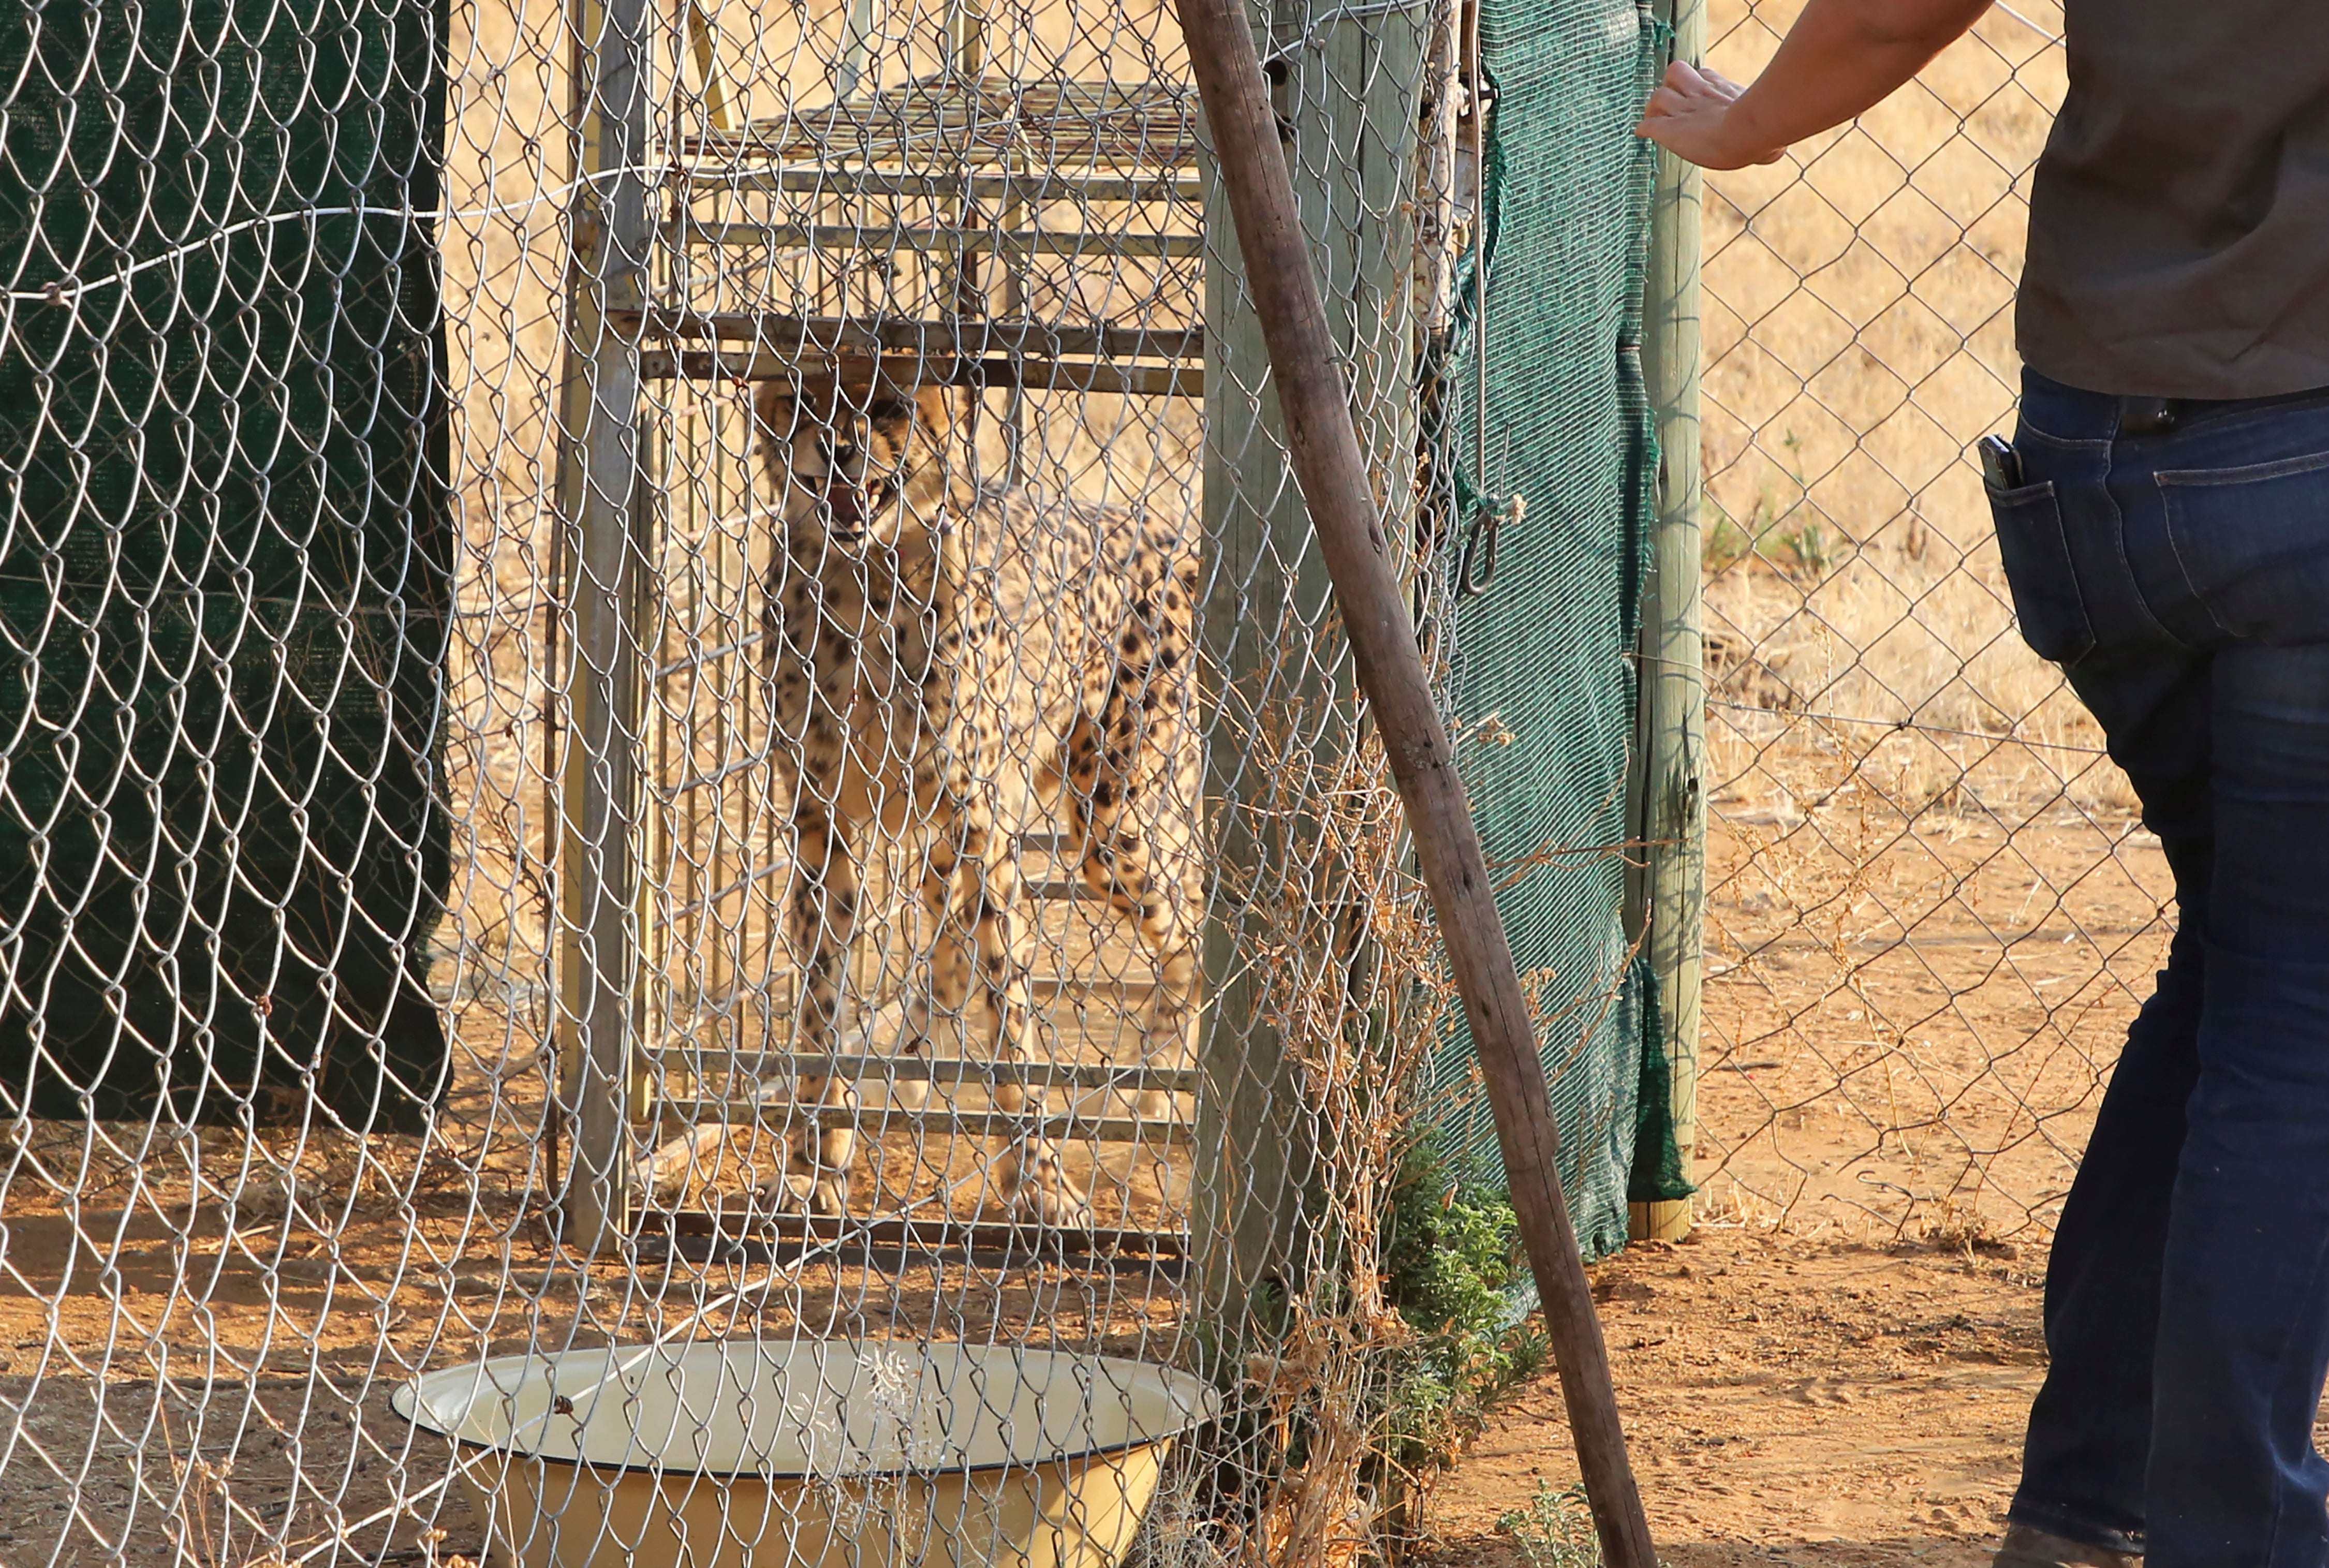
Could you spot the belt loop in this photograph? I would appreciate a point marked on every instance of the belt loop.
(2146, 416)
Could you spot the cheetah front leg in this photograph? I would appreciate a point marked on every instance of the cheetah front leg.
(973, 896)
(821, 920)
(1034, 1173)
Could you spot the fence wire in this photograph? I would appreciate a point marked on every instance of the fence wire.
(1931, 909)
(686, 849)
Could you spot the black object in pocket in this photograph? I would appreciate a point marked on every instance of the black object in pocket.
(2046, 597)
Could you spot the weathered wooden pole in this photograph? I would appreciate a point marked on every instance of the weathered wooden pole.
(1284, 707)
(599, 496)
(1673, 751)
(1322, 443)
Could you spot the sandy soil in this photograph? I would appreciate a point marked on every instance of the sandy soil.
(1826, 1406)
(1910, 1016)
(1836, 1406)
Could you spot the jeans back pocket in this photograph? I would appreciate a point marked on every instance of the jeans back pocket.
(2038, 570)
(2253, 542)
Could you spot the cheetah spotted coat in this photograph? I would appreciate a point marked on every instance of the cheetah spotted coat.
(940, 659)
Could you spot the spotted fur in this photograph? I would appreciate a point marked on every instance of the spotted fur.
(936, 654)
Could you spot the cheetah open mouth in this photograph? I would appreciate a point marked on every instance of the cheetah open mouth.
(845, 504)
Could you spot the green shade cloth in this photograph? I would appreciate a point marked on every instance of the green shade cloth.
(1546, 652)
(225, 574)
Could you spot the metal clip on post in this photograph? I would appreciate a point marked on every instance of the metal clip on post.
(1476, 565)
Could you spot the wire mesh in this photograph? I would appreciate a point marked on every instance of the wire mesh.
(1931, 907)
(688, 849)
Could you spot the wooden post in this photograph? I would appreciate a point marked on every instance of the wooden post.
(1349, 92)
(1362, 560)
(1673, 814)
(599, 494)
(855, 65)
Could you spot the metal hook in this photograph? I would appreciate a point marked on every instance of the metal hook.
(1476, 565)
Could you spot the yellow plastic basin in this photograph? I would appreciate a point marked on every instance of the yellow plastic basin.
(876, 1455)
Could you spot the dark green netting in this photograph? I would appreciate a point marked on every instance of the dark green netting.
(1546, 652)
(225, 570)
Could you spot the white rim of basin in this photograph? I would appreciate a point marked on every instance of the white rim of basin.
(425, 1400)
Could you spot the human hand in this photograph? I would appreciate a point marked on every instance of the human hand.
(1691, 116)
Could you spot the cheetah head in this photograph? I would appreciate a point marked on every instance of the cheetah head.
(859, 461)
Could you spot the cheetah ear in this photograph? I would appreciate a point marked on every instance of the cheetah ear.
(944, 413)
(776, 413)
(945, 410)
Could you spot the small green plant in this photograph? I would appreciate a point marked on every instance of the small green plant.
(1782, 529)
(1726, 544)
(1451, 1258)
(1448, 1254)
(1805, 550)
(1555, 1530)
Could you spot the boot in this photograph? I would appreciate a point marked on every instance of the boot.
(2024, 1547)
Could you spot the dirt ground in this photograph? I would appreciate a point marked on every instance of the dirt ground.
(1830, 1406)
(1910, 1017)
(1904, 1045)
(1910, 1014)
(1838, 1406)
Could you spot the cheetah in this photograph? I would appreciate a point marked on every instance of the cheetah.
(940, 657)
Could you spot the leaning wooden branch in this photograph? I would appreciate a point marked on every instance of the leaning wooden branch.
(1328, 462)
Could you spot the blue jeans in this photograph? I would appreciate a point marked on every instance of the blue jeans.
(2174, 560)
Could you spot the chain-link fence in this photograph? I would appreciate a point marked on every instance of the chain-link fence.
(685, 845)
(1931, 909)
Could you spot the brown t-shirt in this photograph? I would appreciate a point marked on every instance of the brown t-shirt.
(2179, 223)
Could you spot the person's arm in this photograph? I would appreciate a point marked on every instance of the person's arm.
(1840, 58)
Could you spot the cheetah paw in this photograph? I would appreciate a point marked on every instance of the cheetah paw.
(824, 1197)
(1044, 1196)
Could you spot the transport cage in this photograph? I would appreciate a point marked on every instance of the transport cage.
(1036, 241)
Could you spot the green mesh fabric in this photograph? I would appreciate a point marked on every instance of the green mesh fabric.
(1543, 673)
(225, 569)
